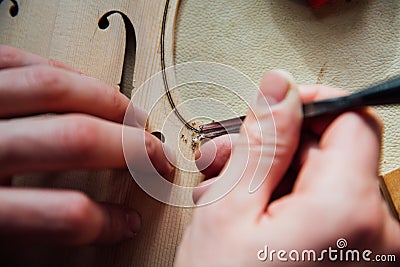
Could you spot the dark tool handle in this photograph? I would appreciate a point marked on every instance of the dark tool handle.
(386, 93)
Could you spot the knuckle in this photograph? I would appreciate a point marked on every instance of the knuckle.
(114, 100)
(79, 217)
(47, 81)
(79, 135)
(79, 208)
(8, 54)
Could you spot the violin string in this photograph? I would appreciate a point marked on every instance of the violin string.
(164, 74)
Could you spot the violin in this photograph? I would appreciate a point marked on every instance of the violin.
(123, 43)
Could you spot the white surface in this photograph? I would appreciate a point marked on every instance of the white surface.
(356, 42)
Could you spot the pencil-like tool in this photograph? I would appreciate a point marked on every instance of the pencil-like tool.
(386, 93)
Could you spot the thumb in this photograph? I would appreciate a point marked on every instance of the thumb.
(272, 129)
(268, 140)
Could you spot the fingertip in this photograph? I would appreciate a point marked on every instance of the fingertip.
(205, 156)
(213, 155)
(135, 116)
(197, 155)
(134, 221)
(171, 162)
(275, 85)
(161, 156)
(141, 117)
(119, 223)
(286, 75)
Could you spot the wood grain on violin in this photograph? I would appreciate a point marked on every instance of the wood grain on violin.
(117, 42)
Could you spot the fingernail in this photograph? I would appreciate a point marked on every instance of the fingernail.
(170, 155)
(206, 155)
(274, 86)
(134, 221)
(141, 116)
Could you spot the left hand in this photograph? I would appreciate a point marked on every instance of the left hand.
(83, 132)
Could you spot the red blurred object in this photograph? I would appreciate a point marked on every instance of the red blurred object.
(317, 3)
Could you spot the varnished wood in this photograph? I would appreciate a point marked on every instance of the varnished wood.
(390, 189)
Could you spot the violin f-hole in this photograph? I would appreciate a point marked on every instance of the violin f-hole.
(128, 68)
(14, 8)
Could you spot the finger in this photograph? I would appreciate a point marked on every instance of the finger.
(311, 93)
(11, 57)
(315, 92)
(213, 155)
(258, 151)
(73, 142)
(42, 89)
(63, 217)
(308, 142)
(284, 187)
(347, 157)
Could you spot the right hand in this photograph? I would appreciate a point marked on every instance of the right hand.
(334, 193)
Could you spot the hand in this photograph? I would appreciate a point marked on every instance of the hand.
(335, 194)
(87, 134)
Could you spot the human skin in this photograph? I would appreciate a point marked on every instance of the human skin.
(83, 132)
(335, 192)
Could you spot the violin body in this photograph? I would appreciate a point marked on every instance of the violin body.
(117, 42)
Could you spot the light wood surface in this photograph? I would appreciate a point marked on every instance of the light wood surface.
(69, 31)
